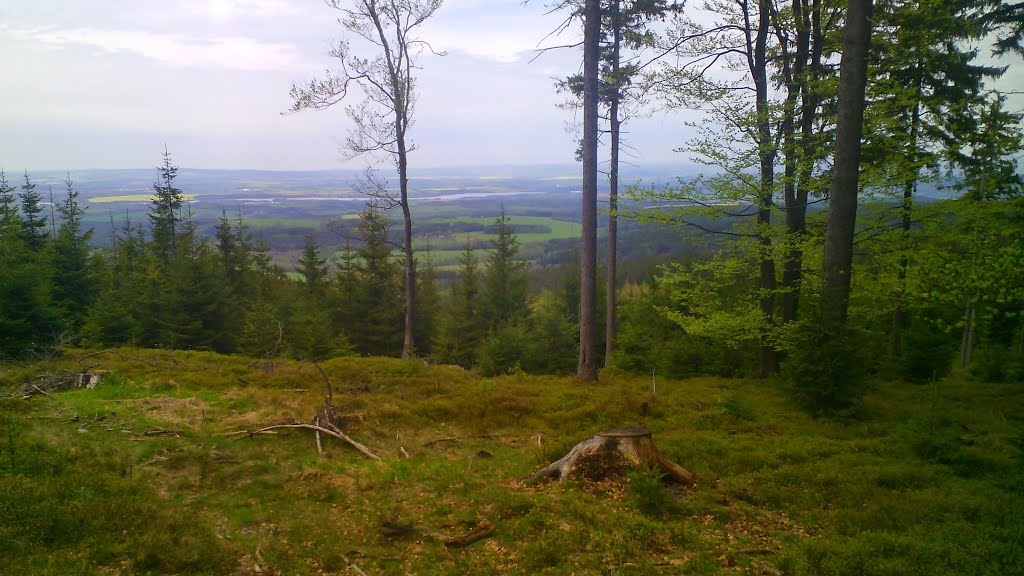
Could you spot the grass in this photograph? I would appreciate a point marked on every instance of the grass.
(926, 481)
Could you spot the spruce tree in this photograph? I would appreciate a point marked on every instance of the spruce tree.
(73, 286)
(427, 301)
(165, 210)
(313, 267)
(460, 327)
(9, 218)
(33, 221)
(505, 279)
(378, 295)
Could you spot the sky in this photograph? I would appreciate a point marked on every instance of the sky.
(109, 83)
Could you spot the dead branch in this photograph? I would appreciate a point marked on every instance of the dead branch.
(91, 354)
(336, 433)
(483, 530)
(457, 438)
(161, 432)
(354, 566)
(319, 446)
(273, 349)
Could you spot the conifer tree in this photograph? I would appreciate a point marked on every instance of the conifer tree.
(165, 210)
(378, 295)
(505, 279)
(33, 221)
(9, 218)
(313, 267)
(73, 286)
(460, 327)
(427, 303)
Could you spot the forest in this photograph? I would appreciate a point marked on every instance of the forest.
(838, 358)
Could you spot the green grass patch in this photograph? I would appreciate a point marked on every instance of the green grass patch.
(145, 474)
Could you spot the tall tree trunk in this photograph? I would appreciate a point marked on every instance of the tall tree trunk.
(766, 156)
(899, 314)
(796, 191)
(837, 262)
(586, 369)
(613, 188)
(408, 343)
(796, 217)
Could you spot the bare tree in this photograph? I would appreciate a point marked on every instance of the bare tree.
(383, 118)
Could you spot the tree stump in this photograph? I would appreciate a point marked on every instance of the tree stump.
(610, 454)
(89, 380)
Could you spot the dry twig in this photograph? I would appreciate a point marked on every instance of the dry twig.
(335, 432)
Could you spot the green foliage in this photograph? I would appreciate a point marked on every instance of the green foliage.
(998, 363)
(503, 349)
(165, 210)
(504, 282)
(650, 494)
(648, 341)
(927, 353)
(33, 221)
(70, 511)
(827, 372)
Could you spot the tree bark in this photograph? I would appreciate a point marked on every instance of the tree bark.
(586, 369)
(766, 157)
(610, 455)
(408, 342)
(796, 210)
(837, 263)
(613, 189)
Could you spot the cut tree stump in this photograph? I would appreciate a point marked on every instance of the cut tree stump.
(90, 379)
(611, 454)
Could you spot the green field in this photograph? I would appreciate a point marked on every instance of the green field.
(134, 198)
(150, 473)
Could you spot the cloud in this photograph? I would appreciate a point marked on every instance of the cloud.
(179, 51)
(221, 10)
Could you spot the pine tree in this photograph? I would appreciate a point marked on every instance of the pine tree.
(313, 267)
(427, 302)
(9, 219)
(460, 326)
(378, 295)
(114, 318)
(165, 210)
(505, 279)
(73, 286)
(33, 221)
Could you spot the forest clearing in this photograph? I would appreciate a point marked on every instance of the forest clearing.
(151, 472)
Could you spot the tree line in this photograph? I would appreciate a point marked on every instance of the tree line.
(849, 105)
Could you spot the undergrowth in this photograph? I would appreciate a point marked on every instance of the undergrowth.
(145, 474)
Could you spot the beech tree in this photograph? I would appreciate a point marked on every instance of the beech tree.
(837, 262)
(383, 118)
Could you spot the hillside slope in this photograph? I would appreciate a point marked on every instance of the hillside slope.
(146, 474)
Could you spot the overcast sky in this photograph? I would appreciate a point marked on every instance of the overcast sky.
(106, 83)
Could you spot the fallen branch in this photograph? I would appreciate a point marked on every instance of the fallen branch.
(354, 566)
(161, 432)
(457, 438)
(319, 447)
(354, 444)
(336, 433)
(91, 354)
(482, 531)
